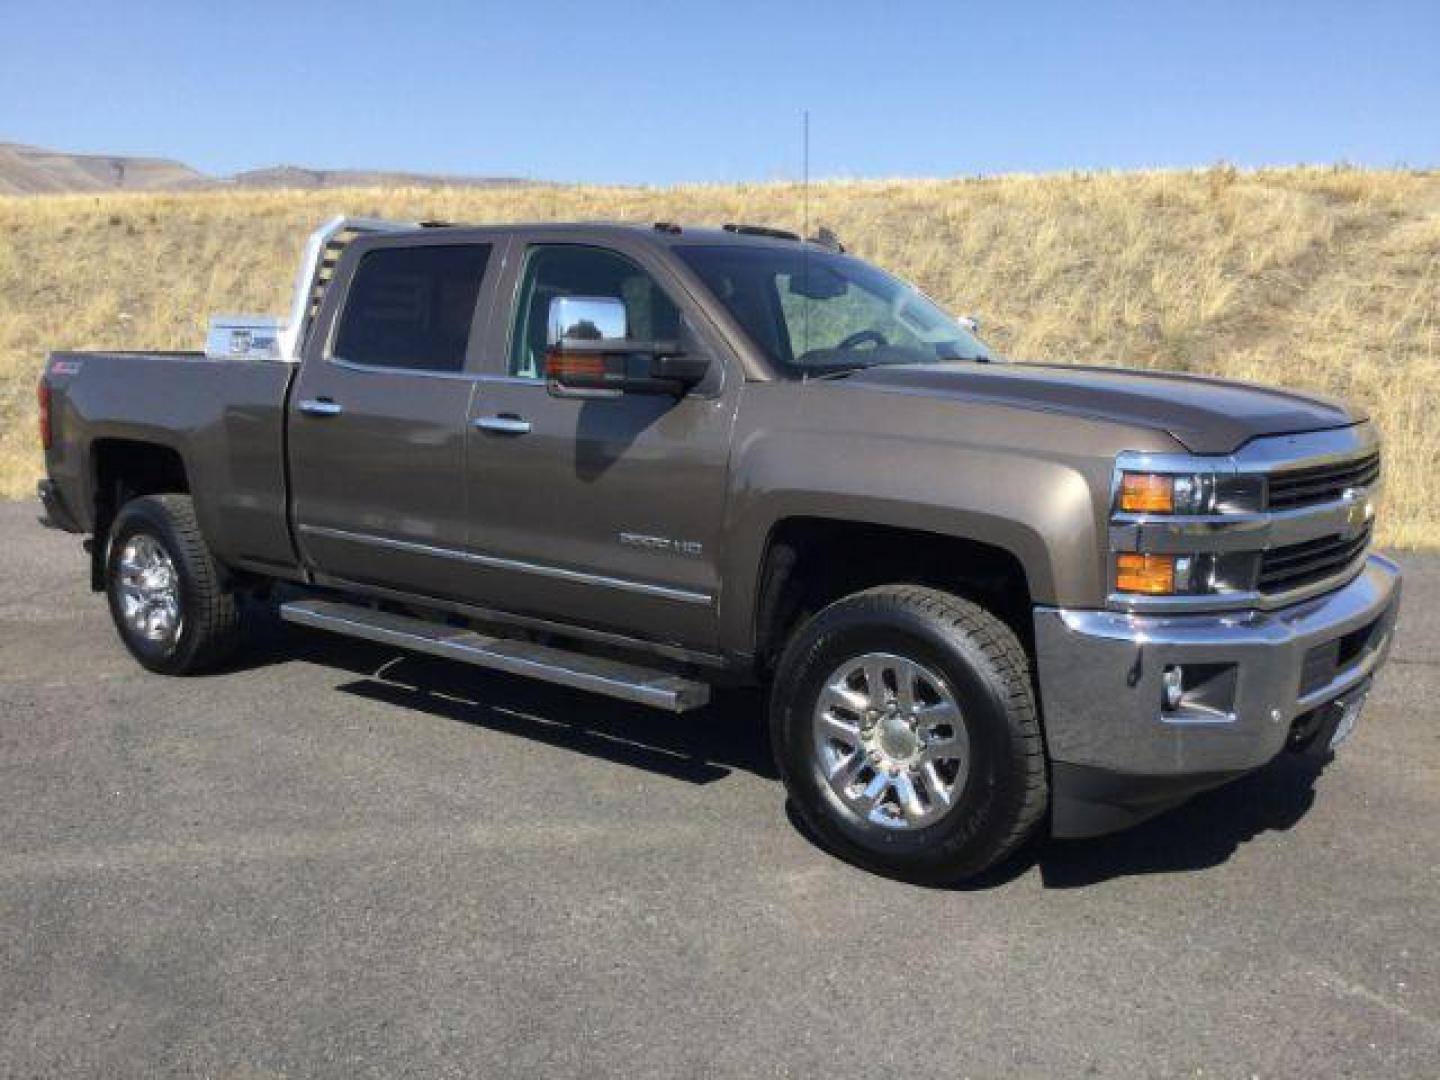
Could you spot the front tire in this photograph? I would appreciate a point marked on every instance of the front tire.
(905, 729)
(166, 592)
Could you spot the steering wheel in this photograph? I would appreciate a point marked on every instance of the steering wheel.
(860, 337)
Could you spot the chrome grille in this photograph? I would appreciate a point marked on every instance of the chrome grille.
(1321, 483)
(1298, 565)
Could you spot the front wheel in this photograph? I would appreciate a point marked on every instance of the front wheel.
(166, 593)
(905, 729)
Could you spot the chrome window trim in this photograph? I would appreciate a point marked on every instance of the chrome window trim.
(644, 588)
(392, 369)
(510, 380)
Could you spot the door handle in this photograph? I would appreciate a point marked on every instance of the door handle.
(504, 424)
(320, 407)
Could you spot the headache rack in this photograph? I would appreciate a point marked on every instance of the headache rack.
(268, 337)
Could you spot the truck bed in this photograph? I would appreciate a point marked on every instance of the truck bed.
(224, 418)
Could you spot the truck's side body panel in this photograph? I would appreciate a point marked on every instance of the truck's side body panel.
(378, 444)
(607, 511)
(376, 484)
(1037, 491)
(224, 418)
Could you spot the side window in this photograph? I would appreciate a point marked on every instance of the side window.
(553, 270)
(411, 307)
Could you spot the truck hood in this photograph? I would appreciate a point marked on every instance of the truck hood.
(1207, 416)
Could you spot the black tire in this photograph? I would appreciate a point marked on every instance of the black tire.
(987, 671)
(210, 624)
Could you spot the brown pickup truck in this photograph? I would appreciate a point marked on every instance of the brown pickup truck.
(987, 597)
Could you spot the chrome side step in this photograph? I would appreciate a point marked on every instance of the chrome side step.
(647, 686)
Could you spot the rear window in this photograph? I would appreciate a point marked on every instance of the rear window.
(411, 307)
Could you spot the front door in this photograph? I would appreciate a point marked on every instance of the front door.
(602, 511)
(378, 419)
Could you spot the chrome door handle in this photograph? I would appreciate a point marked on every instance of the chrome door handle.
(504, 425)
(320, 407)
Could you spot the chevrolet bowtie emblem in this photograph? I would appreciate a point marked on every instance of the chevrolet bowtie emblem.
(1358, 507)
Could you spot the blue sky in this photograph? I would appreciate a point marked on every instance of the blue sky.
(659, 93)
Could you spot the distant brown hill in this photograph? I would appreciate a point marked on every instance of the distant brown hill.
(33, 170)
(293, 176)
(30, 170)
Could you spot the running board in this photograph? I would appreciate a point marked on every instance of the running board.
(647, 686)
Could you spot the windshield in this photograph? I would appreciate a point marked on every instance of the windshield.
(816, 313)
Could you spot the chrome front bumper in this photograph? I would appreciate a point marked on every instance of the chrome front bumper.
(1102, 700)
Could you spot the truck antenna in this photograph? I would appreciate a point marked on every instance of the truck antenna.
(805, 174)
(805, 222)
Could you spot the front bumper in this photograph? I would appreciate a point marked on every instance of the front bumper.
(1118, 756)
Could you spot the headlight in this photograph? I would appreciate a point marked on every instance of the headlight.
(1161, 493)
(1200, 574)
(1187, 494)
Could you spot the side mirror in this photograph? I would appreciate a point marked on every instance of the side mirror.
(969, 322)
(589, 349)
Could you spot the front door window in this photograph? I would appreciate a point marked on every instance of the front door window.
(554, 270)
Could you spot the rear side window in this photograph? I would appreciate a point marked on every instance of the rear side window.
(411, 307)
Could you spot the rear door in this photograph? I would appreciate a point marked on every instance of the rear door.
(378, 415)
(604, 511)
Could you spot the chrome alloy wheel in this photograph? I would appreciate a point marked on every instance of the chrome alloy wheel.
(891, 741)
(149, 590)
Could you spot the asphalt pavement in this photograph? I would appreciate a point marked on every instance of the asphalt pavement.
(337, 860)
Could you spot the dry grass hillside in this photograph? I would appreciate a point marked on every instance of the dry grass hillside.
(1323, 279)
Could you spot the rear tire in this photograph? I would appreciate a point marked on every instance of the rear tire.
(166, 591)
(937, 771)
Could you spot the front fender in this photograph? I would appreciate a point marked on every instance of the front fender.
(1034, 485)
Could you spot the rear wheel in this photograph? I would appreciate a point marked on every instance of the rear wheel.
(166, 593)
(905, 728)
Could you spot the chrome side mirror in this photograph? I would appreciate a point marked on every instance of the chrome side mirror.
(590, 353)
(586, 318)
(969, 322)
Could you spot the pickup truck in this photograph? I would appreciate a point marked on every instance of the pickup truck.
(987, 598)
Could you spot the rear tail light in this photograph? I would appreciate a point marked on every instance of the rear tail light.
(42, 395)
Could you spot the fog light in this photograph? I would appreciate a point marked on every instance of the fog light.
(1172, 682)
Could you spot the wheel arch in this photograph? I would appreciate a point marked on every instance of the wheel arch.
(810, 561)
(121, 469)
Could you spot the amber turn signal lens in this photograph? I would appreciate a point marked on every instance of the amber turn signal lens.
(1147, 493)
(562, 365)
(1151, 574)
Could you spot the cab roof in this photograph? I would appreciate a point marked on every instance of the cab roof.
(659, 233)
